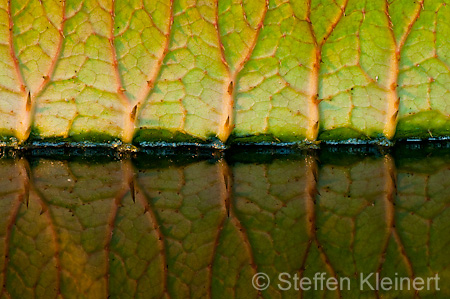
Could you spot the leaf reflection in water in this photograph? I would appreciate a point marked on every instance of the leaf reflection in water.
(202, 227)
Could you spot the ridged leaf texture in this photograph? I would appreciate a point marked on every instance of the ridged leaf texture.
(226, 70)
(201, 229)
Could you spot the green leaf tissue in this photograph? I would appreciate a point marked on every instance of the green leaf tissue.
(231, 71)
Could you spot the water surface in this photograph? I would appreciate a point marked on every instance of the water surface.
(93, 224)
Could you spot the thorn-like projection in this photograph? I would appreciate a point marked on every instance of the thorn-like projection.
(28, 105)
(227, 184)
(225, 179)
(133, 113)
(313, 192)
(27, 185)
(227, 122)
(394, 116)
(44, 209)
(316, 125)
(132, 189)
(230, 88)
(27, 194)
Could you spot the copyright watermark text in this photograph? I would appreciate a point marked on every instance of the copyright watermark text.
(368, 281)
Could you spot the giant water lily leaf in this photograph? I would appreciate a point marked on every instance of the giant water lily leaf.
(223, 70)
(421, 206)
(204, 229)
(188, 204)
(82, 209)
(424, 70)
(276, 211)
(349, 242)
